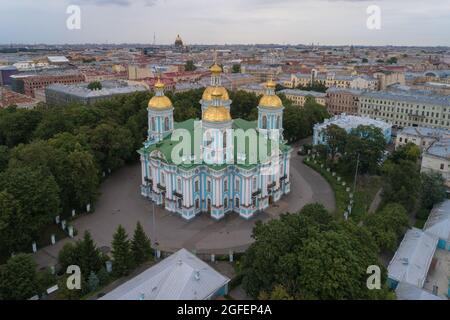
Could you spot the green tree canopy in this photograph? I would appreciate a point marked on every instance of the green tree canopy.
(310, 256)
(121, 252)
(18, 278)
(141, 248)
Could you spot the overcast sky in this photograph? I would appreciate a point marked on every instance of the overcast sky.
(403, 22)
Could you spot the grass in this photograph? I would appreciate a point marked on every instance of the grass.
(367, 188)
(341, 196)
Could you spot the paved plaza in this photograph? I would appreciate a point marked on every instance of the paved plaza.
(121, 203)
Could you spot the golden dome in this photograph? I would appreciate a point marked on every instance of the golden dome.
(207, 94)
(272, 101)
(216, 114)
(215, 68)
(271, 84)
(159, 84)
(160, 103)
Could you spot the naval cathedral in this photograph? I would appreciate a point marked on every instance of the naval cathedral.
(230, 180)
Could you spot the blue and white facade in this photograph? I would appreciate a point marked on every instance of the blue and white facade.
(219, 186)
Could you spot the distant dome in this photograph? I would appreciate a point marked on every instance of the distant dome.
(178, 41)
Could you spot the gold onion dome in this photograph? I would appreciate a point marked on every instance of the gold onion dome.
(207, 94)
(270, 100)
(159, 101)
(215, 68)
(217, 113)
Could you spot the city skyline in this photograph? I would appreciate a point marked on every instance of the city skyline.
(325, 22)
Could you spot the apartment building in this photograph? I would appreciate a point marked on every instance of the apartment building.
(406, 109)
(299, 97)
(340, 101)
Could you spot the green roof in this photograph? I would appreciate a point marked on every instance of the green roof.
(166, 145)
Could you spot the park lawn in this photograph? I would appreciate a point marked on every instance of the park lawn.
(340, 195)
(366, 189)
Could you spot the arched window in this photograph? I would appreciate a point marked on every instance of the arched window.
(278, 122)
(264, 122)
(166, 124)
(224, 139)
(225, 203)
(237, 203)
(153, 128)
(197, 204)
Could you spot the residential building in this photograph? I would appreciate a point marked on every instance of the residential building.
(11, 98)
(348, 123)
(299, 97)
(342, 101)
(421, 136)
(41, 81)
(406, 109)
(60, 94)
(180, 276)
(437, 159)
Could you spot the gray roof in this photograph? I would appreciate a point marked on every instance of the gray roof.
(438, 223)
(413, 257)
(303, 93)
(350, 122)
(406, 291)
(181, 276)
(425, 132)
(338, 90)
(409, 96)
(110, 87)
(440, 148)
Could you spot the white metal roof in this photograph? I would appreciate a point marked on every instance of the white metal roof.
(406, 291)
(181, 276)
(413, 257)
(438, 223)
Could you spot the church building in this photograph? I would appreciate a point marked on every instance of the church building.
(224, 177)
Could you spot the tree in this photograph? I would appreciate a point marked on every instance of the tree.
(409, 151)
(14, 232)
(336, 138)
(190, 66)
(17, 125)
(401, 183)
(369, 143)
(309, 255)
(236, 68)
(4, 157)
(111, 145)
(89, 254)
(93, 282)
(388, 225)
(140, 245)
(121, 252)
(95, 85)
(84, 253)
(278, 293)
(18, 278)
(36, 193)
(433, 189)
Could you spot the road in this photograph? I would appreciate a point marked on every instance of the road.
(121, 203)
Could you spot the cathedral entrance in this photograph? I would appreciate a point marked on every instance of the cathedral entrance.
(209, 205)
(270, 200)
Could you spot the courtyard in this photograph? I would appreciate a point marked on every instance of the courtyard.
(120, 202)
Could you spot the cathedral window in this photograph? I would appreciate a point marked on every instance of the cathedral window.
(166, 124)
(264, 122)
(163, 178)
(208, 186)
(225, 185)
(179, 185)
(237, 203)
(237, 186)
(153, 124)
(197, 186)
(225, 203)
